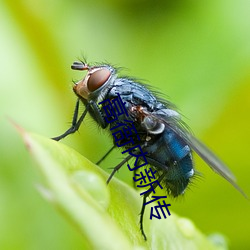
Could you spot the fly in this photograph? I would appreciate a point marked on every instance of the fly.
(163, 135)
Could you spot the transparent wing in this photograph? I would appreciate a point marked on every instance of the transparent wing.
(174, 123)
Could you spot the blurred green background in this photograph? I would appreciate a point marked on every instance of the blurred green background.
(196, 52)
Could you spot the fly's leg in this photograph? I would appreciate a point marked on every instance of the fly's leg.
(134, 177)
(141, 216)
(96, 110)
(118, 167)
(75, 124)
(97, 114)
(93, 109)
(105, 155)
(145, 196)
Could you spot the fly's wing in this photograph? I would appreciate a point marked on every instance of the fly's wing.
(212, 160)
(174, 123)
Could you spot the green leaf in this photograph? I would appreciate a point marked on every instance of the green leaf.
(106, 215)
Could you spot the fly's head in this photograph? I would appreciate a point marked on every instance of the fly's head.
(93, 85)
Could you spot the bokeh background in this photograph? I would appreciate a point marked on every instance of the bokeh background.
(195, 52)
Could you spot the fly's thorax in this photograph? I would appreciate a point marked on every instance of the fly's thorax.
(154, 122)
(94, 85)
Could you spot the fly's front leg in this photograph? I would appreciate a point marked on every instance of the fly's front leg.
(97, 114)
(75, 124)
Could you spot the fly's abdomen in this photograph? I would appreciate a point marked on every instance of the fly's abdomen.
(180, 165)
(180, 151)
(174, 160)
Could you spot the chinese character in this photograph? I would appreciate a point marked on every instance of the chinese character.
(126, 133)
(143, 177)
(114, 108)
(158, 216)
(156, 199)
(152, 187)
(142, 154)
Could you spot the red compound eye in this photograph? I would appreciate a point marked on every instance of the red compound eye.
(97, 79)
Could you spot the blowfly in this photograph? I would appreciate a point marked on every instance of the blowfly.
(154, 124)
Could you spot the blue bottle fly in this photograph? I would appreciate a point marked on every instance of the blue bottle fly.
(157, 128)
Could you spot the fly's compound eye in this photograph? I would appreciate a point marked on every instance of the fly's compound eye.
(97, 79)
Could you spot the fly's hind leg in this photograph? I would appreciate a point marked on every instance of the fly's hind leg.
(145, 196)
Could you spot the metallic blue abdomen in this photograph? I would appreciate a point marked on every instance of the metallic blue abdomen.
(173, 159)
